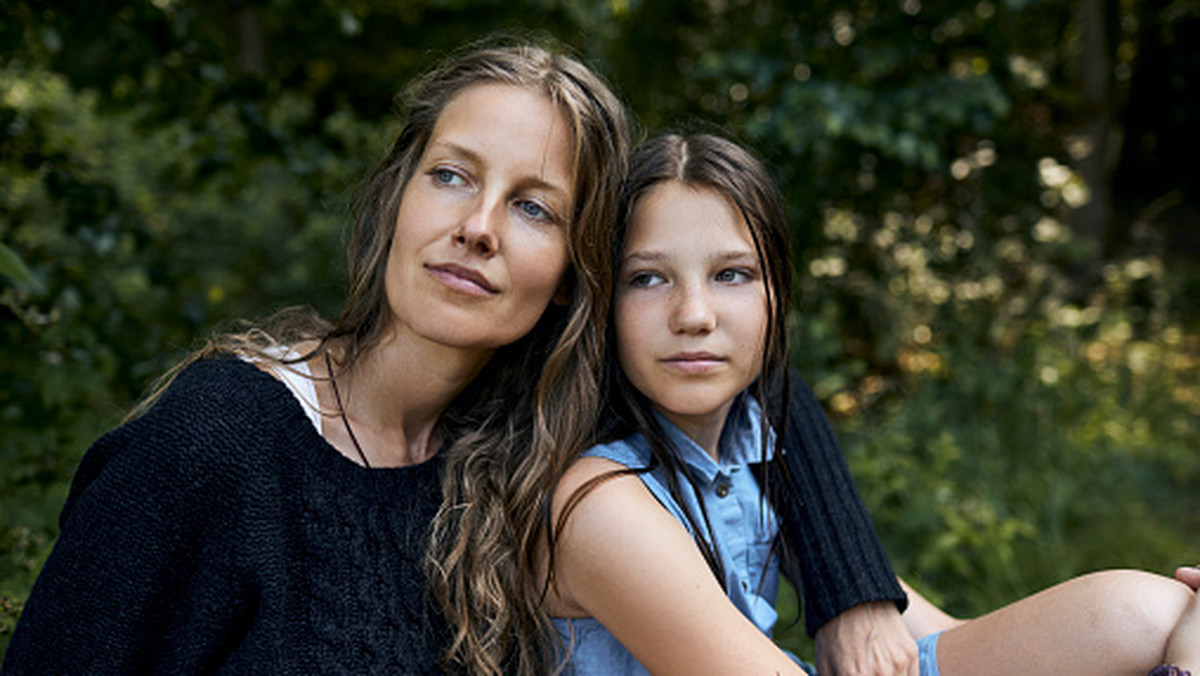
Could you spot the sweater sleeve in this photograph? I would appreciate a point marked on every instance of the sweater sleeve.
(142, 577)
(832, 545)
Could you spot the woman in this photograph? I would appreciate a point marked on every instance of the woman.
(271, 513)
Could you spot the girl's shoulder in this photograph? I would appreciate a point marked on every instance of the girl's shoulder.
(632, 451)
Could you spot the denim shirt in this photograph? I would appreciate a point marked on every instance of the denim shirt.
(743, 524)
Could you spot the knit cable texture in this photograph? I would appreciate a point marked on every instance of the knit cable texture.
(219, 533)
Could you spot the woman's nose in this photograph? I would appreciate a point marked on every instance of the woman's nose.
(479, 229)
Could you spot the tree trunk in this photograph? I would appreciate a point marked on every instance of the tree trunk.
(1092, 220)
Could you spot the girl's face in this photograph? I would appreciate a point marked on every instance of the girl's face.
(690, 305)
(480, 245)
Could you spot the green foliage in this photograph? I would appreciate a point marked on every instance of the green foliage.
(125, 246)
(1018, 400)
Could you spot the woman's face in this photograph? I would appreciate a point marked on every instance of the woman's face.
(480, 245)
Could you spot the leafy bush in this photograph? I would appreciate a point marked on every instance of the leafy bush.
(1018, 397)
(125, 245)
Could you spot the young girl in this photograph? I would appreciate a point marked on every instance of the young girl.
(664, 557)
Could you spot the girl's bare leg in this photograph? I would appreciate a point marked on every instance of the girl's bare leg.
(923, 618)
(1114, 623)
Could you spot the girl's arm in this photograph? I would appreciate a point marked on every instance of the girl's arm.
(922, 617)
(624, 560)
(1189, 575)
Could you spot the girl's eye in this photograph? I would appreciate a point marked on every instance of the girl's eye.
(734, 275)
(645, 279)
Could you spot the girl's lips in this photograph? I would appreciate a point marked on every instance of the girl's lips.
(462, 278)
(693, 362)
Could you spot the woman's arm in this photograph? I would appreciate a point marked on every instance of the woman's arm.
(624, 560)
(852, 601)
(840, 562)
(139, 578)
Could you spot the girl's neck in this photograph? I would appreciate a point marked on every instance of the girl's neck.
(394, 394)
(703, 429)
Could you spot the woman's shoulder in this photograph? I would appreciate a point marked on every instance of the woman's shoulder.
(212, 411)
(223, 394)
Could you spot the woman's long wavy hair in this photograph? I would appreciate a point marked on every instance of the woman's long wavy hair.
(704, 162)
(539, 396)
(534, 398)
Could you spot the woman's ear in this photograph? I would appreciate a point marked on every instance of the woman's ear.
(562, 295)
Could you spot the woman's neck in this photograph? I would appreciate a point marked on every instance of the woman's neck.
(393, 396)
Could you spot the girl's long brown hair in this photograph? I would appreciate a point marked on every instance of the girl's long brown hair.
(701, 161)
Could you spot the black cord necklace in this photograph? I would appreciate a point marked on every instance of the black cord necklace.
(342, 412)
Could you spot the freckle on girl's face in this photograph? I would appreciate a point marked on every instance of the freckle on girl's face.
(690, 305)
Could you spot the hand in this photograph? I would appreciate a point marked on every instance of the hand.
(1189, 575)
(867, 640)
(1183, 647)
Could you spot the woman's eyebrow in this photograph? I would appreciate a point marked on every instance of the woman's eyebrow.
(532, 181)
(456, 149)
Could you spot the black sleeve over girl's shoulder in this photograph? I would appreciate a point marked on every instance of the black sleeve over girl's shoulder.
(834, 553)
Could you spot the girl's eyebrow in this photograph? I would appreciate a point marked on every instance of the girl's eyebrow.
(646, 255)
(734, 254)
(653, 256)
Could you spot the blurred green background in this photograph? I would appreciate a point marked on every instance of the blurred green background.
(996, 209)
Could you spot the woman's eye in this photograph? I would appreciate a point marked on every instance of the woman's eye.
(447, 177)
(534, 211)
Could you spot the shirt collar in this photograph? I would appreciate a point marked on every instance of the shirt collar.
(741, 441)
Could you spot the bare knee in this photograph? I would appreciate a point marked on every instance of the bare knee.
(1135, 611)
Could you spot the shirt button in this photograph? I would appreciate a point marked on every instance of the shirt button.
(722, 490)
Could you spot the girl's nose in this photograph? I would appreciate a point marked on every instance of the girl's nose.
(694, 311)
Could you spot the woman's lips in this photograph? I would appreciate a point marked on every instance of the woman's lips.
(462, 278)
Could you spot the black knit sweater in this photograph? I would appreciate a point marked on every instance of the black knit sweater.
(219, 532)
(837, 556)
